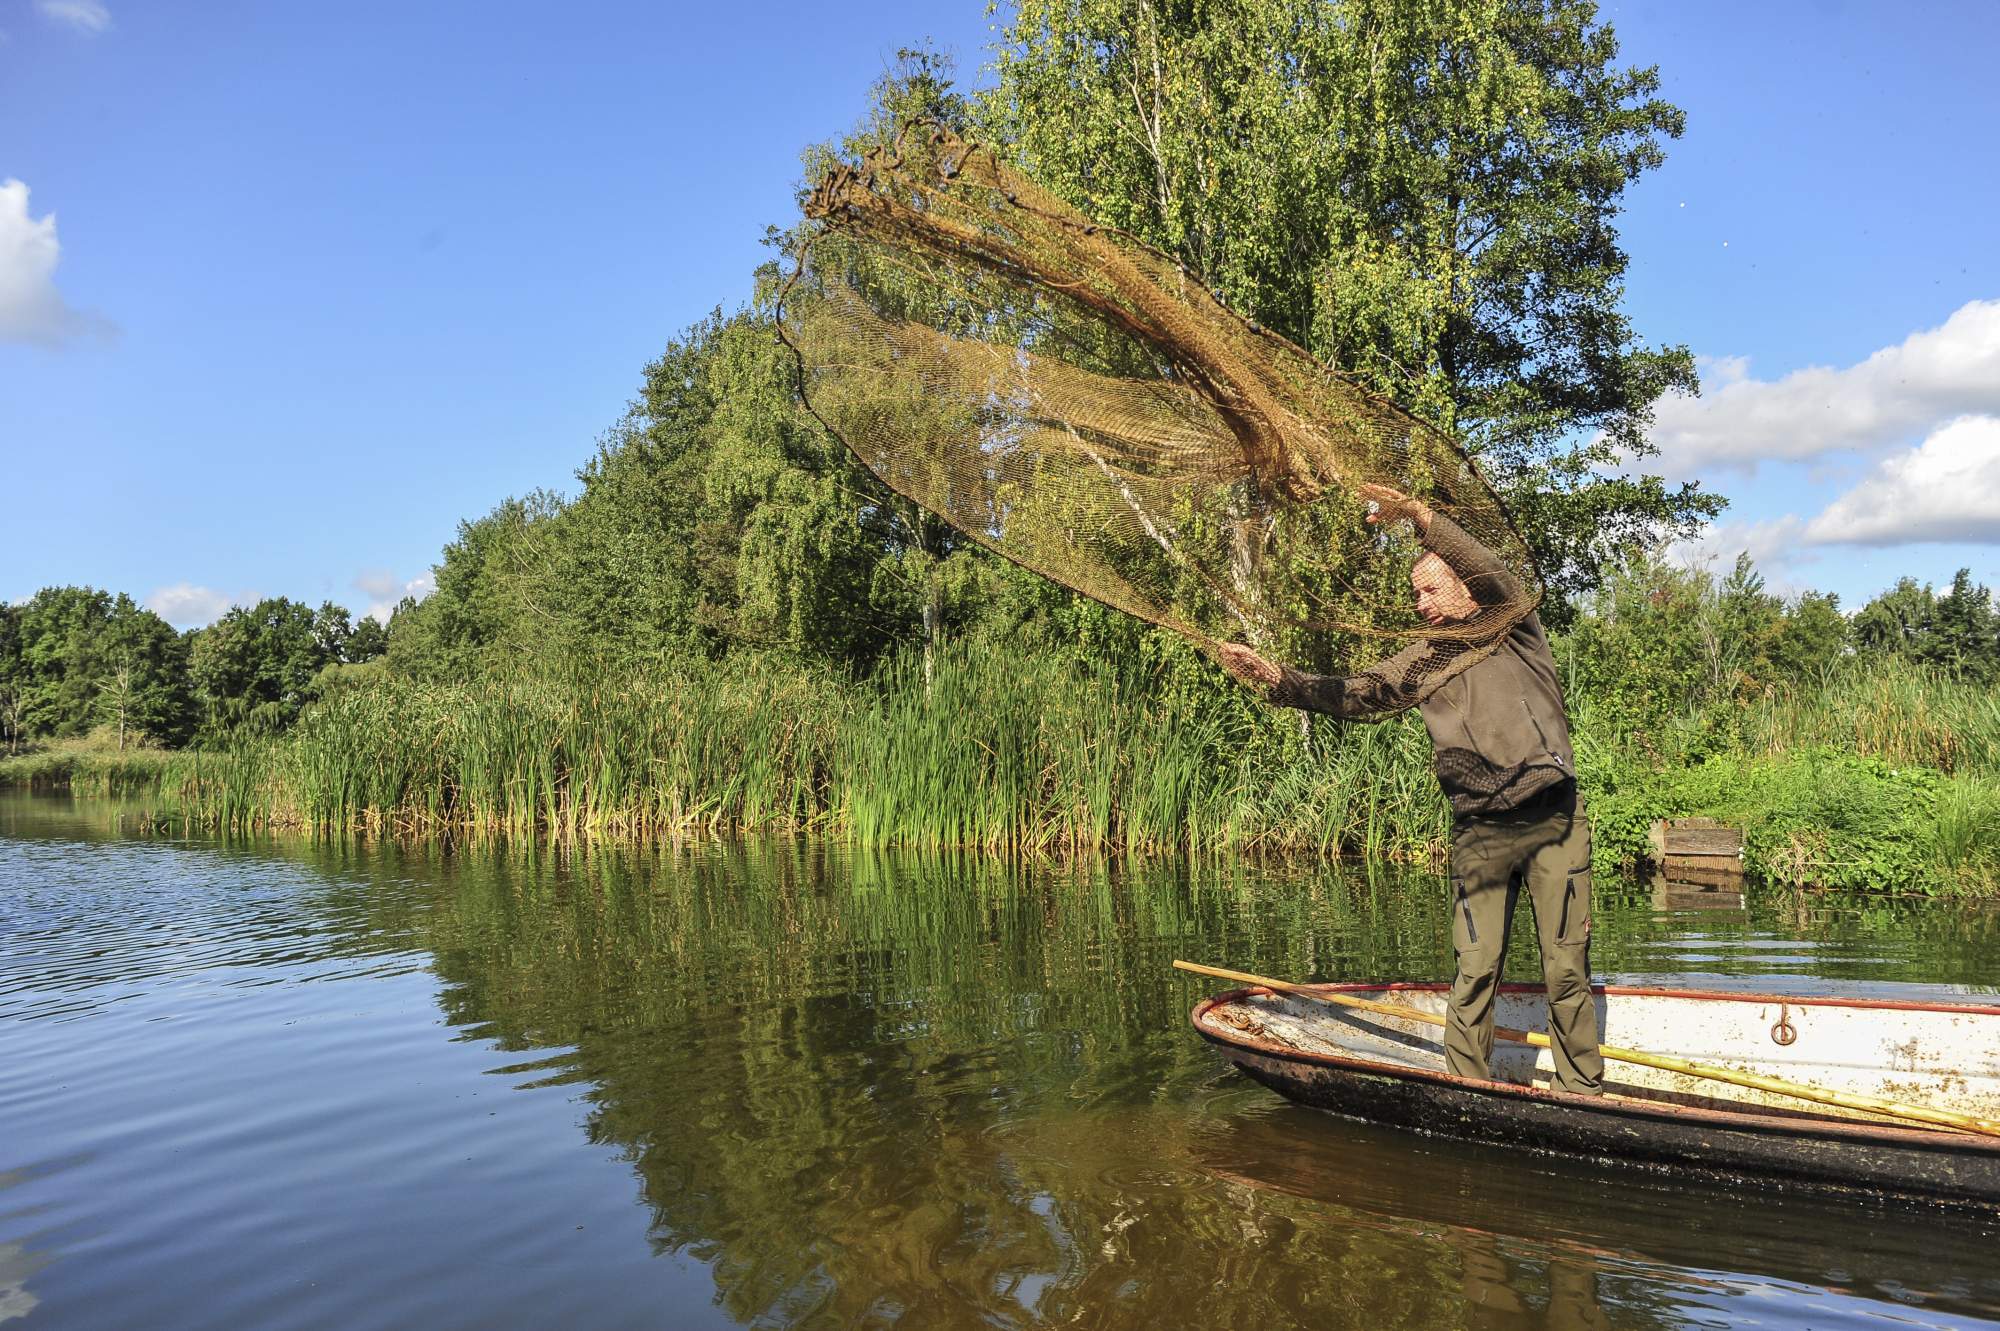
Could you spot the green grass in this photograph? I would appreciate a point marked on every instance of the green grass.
(1030, 755)
(1820, 818)
(1906, 714)
(1882, 780)
(93, 766)
(1882, 776)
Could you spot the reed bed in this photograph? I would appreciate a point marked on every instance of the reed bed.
(1883, 778)
(668, 757)
(1032, 755)
(1884, 708)
(86, 767)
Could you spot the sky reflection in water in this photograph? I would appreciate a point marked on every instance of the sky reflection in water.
(280, 1085)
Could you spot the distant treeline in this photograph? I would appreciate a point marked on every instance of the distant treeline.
(74, 660)
(544, 588)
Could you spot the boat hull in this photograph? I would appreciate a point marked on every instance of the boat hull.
(1794, 1148)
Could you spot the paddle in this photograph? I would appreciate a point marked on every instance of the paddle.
(1756, 1081)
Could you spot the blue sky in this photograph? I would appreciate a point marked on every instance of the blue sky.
(287, 291)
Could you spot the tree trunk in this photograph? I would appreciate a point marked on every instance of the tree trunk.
(930, 614)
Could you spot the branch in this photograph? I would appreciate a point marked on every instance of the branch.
(1145, 521)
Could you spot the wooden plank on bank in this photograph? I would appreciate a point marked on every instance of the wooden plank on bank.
(1702, 841)
(1671, 837)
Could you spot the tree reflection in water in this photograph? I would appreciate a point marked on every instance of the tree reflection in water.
(852, 1091)
(942, 1093)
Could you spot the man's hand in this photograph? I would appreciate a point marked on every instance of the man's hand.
(1247, 666)
(1394, 505)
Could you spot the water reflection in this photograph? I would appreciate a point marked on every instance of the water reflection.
(1616, 1247)
(972, 1089)
(16, 1265)
(877, 1090)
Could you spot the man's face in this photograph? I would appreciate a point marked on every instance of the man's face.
(1441, 597)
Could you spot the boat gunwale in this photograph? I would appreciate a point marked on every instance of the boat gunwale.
(1859, 1131)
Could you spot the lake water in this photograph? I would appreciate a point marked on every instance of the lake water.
(284, 1085)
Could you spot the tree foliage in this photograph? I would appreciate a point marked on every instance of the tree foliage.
(74, 658)
(256, 667)
(1658, 644)
(1958, 632)
(716, 514)
(1423, 195)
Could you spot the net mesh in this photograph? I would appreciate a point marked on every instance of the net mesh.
(1082, 405)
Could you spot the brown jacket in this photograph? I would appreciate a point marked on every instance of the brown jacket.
(1498, 725)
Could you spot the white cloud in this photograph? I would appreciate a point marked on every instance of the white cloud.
(1774, 539)
(1878, 404)
(377, 583)
(84, 15)
(31, 309)
(1777, 547)
(1945, 489)
(384, 590)
(187, 606)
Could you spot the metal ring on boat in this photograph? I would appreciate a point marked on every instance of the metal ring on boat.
(1784, 1032)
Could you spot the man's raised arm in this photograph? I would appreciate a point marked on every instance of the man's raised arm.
(1484, 574)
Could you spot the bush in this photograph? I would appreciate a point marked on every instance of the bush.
(1819, 818)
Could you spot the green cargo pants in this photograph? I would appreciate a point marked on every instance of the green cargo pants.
(1545, 845)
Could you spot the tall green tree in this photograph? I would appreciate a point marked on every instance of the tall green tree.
(74, 658)
(724, 515)
(1958, 632)
(495, 606)
(1898, 622)
(1968, 630)
(716, 515)
(1422, 194)
(254, 667)
(143, 685)
(13, 677)
(344, 642)
(367, 640)
(1658, 643)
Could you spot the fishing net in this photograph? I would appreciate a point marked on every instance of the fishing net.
(1079, 403)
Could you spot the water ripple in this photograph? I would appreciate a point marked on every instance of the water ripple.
(286, 1086)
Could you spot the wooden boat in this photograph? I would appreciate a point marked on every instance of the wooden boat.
(1387, 1069)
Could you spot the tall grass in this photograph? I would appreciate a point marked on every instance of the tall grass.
(1883, 777)
(1967, 844)
(668, 756)
(94, 766)
(1884, 708)
(1001, 752)
(1030, 754)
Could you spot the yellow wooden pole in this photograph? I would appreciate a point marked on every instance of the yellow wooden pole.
(1943, 1118)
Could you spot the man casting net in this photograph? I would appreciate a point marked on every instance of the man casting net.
(1080, 404)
